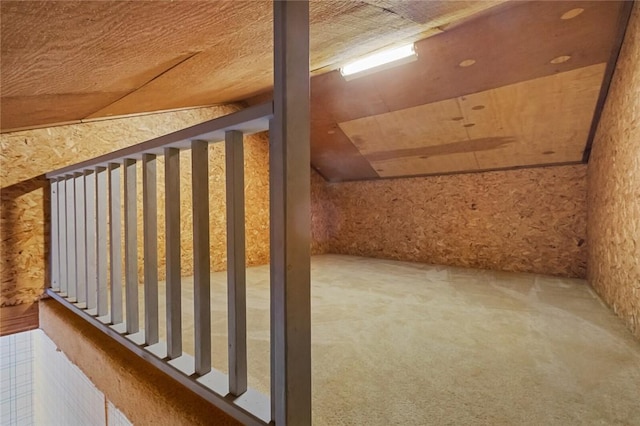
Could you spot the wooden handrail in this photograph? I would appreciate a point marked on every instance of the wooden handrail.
(248, 121)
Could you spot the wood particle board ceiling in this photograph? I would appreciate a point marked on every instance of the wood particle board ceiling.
(66, 61)
(496, 84)
(497, 128)
(516, 86)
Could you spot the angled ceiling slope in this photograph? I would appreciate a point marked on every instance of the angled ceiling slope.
(65, 61)
(518, 86)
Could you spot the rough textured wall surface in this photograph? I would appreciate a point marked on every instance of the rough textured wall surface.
(27, 155)
(614, 188)
(321, 215)
(145, 395)
(529, 220)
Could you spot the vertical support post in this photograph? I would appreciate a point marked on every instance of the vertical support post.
(55, 226)
(115, 243)
(101, 240)
(62, 235)
(71, 240)
(201, 277)
(131, 246)
(236, 265)
(172, 231)
(92, 265)
(289, 188)
(81, 242)
(150, 231)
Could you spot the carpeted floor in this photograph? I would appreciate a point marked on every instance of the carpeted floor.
(397, 343)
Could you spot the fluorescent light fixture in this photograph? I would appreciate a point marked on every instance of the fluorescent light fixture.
(379, 61)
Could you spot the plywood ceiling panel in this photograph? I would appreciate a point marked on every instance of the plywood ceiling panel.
(71, 60)
(540, 121)
(514, 43)
(166, 55)
(24, 111)
(438, 12)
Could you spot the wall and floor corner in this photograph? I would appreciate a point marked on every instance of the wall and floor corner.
(528, 220)
(531, 220)
(614, 188)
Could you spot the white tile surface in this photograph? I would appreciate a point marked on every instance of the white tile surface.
(16, 379)
(40, 386)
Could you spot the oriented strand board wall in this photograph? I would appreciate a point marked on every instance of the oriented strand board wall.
(27, 155)
(614, 188)
(529, 220)
(322, 215)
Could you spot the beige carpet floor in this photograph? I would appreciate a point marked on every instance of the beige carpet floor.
(397, 343)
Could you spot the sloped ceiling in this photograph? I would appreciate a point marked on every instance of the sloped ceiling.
(529, 97)
(516, 86)
(71, 60)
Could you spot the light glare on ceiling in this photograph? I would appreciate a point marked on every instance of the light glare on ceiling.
(379, 61)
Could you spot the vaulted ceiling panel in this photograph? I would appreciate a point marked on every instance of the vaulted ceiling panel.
(150, 56)
(540, 121)
(534, 70)
(496, 84)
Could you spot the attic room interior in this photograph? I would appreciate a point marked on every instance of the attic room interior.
(207, 218)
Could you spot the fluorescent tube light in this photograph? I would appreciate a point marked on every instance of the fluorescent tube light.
(379, 61)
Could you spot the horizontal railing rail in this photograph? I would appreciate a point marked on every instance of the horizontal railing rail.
(94, 214)
(87, 200)
(248, 121)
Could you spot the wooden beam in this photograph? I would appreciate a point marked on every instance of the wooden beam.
(150, 231)
(55, 238)
(71, 240)
(201, 268)
(101, 240)
(289, 189)
(131, 246)
(172, 250)
(81, 240)
(62, 234)
(115, 243)
(236, 264)
(92, 260)
(18, 318)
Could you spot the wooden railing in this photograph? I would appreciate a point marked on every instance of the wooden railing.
(86, 242)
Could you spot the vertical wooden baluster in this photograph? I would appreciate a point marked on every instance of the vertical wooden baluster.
(72, 271)
(201, 278)
(55, 236)
(131, 246)
(81, 241)
(102, 253)
(172, 227)
(92, 265)
(150, 231)
(236, 273)
(62, 250)
(115, 243)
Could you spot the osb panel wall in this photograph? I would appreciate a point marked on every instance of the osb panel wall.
(27, 155)
(322, 213)
(614, 188)
(529, 220)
